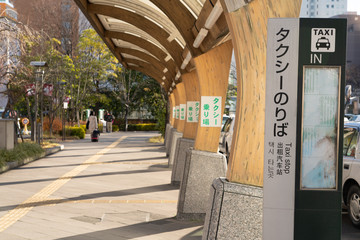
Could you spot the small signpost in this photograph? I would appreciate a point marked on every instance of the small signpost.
(303, 129)
(25, 121)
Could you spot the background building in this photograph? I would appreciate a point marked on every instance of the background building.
(9, 48)
(322, 8)
(353, 36)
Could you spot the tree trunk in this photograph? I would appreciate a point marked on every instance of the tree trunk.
(126, 118)
(77, 116)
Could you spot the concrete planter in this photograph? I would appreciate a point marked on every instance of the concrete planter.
(48, 151)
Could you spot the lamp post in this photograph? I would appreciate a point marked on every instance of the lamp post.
(62, 99)
(36, 133)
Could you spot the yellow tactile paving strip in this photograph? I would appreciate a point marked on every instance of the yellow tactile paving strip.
(42, 196)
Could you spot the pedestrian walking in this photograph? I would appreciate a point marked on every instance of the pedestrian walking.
(93, 124)
(109, 118)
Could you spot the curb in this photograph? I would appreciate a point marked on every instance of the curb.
(12, 165)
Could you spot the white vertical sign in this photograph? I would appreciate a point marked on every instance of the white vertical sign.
(211, 111)
(177, 115)
(182, 111)
(174, 112)
(280, 129)
(193, 109)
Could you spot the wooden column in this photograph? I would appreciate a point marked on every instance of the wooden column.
(248, 28)
(213, 72)
(192, 90)
(172, 105)
(182, 100)
(176, 97)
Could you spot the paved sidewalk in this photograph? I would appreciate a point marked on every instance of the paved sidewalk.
(118, 188)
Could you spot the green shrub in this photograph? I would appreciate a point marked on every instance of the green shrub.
(115, 128)
(74, 132)
(77, 131)
(20, 152)
(83, 127)
(100, 127)
(143, 127)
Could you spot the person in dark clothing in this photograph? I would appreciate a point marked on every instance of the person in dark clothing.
(109, 118)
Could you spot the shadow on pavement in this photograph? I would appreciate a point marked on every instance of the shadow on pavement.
(139, 230)
(349, 232)
(86, 176)
(97, 162)
(120, 193)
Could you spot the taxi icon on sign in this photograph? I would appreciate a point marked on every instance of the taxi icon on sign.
(323, 42)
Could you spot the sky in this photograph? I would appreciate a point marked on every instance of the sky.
(354, 5)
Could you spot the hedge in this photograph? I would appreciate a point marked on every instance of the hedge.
(143, 127)
(20, 152)
(100, 127)
(83, 127)
(75, 131)
(115, 128)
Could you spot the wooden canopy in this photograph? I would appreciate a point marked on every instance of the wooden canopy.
(158, 37)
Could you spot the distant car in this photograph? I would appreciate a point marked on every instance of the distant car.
(351, 171)
(225, 117)
(323, 42)
(348, 115)
(355, 118)
(226, 136)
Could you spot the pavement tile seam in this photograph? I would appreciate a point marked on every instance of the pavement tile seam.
(17, 213)
(130, 163)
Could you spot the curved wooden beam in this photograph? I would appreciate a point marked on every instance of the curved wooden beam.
(149, 73)
(142, 43)
(182, 100)
(216, 33)
(146, 65)
(177, 103)
(172, 104)
(246, 162)
(182, 19)
(146, 57)
(142, 23)
(213, 72)
(192, 89)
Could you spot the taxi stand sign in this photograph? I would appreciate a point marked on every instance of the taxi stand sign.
(211, 111)
(193, 110)
(302, 167)
(177, 110)
(182, 111)
(280, 129)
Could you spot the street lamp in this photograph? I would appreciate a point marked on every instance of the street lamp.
(36, 132)
(62, 85)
